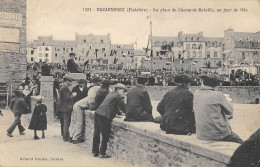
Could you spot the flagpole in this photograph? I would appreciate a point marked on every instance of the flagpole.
(151, 49)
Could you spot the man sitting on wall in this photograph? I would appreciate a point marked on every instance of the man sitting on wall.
(71, 65)
(139, 107)
(212, 111)
(81, 90)
(176, 108)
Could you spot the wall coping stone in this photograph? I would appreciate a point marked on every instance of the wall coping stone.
(216, 150)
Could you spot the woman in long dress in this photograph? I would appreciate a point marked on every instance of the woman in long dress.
(39, 119)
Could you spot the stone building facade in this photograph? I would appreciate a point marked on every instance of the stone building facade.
(13, 40)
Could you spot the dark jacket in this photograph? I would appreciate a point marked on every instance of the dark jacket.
(111, 105)
(248, 153)
(39, 118)
(80, 94)
(100, 96)
(18, 106)
(176, 110)
(139, 107)
(72, 66)
(66, 101)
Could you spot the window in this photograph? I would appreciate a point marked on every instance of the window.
(32, 52)
(215, 44)
(253, 44)
(179, 54)
(40, 60)
(198, 38)
(191, 38)
(115, 52)
(186, 38)
(40, 48)
(103, 49)
(31, 58)
(122, 52)
(129, 52)
(215, 54)
(208, 54)
(43, 44)
(208, 44)
(187, 46)
(188, 55)
(47, 60)
(193, 46)
(40, 54)
(200, 46)
(46, 54)
(157, 54)
(71, 49)
(84, 41)
(63, 49)
(89, 47)
(157, 43)
(194, 54)
(105, 61)
(76, 58)
(56, 54)
(101, 41)
(172, 44)
(200, 54)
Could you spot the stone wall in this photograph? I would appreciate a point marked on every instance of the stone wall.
(13, 40)
(145, 144)
(239, 94)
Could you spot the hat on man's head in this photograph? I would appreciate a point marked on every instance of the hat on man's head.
(66, 78)
(210, 80)
(182, 79)
(82, 81)
(39, 98)
(142, 80)
(72, 54)
(120, 86)
(106, 83)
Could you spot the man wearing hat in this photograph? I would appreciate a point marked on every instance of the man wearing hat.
(106, 112)
(71, 65)
(81, 90)
(66, 102)
(139, 107)
(18, 107)
(176, 108)
(212, 110)
(102, 92)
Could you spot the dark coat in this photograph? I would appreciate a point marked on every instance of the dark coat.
(176, 109)
(39, 119)
(66, 101)
(18, 106)
(139, 107)
(111, 106)
(72, 66)
(80, 94)
(100, 96)
(248, 153)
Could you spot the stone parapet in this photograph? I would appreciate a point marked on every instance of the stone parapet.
(76, 76)
(239, 94)
(145, 144)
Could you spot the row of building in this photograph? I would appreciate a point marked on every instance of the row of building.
(188, 52)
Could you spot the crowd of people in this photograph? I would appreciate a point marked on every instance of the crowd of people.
(206, 112)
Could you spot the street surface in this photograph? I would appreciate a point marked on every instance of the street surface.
(52, 151)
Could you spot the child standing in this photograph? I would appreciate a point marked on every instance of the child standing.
(39, 119)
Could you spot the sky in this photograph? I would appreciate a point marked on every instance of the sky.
(63, 18)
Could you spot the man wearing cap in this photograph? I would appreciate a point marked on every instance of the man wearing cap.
(138, 106)
(18, 107)
(66, 102)
(81, 90)
(176, 108)
(71, 65)
(212, 110)
(106, 112)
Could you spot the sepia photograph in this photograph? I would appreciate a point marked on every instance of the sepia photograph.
(133, 83)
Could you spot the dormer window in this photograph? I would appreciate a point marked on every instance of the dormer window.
(191, 38)
(84, 40)
(198, 38)
(101, 41)
(186, 38)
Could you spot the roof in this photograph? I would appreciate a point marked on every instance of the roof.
(213, 39)
(246, 36)
(64, 43)
(161, 39)
(45, 40)
(93, 39)
(122, 47)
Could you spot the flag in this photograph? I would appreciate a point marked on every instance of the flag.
(112, 52)
(147, 44)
